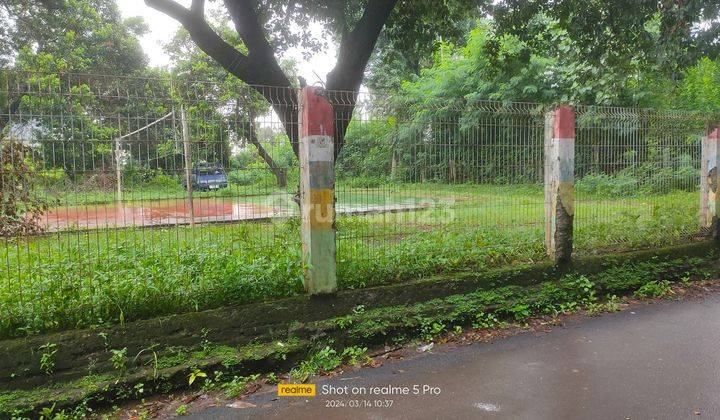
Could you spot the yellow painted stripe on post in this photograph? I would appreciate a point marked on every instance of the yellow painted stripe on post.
(322, 209)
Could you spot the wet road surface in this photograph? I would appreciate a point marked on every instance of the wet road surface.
(653, 361)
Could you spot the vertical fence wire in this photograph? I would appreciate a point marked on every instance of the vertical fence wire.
(97, 225)
(96, 220)
(450, 187)
(637, 177)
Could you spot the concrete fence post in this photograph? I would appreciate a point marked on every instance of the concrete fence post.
(709, 182)
(118, 170)
(317, 191)
(559, 181)
(187, 157)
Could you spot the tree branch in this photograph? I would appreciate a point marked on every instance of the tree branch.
(357, 46)
(12, 108)
(279, 172)
(274, 85)
(244, 14)
(198, 7)
(355, 49)
(206, 38)
(260, 70)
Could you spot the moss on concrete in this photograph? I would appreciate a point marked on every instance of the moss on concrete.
(94, 391)
(265, 337)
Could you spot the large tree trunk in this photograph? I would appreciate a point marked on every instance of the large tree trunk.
(278, 171)
(260, 69)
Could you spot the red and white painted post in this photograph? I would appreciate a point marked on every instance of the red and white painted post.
(317, 191)
(709, 197)
(559, 182)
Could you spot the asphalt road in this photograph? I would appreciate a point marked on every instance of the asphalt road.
(653, 361)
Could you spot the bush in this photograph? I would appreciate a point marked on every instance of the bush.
(136, 174)
(21, 206)
(56, 177)
(258, 177)
(663, 180)
(648, 178)
(363, 182)
(619, 185)
(244, 158)
(163, 181)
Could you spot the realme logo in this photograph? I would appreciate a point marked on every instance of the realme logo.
(296, 390)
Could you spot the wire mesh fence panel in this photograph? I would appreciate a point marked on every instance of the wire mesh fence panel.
(637, 177)
(433, 188)
(127, 197)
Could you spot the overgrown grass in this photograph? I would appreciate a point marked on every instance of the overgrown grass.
(113, 276)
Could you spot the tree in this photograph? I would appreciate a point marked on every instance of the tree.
(415, 33)
(700, 88)
(64, 36)
(237, 102)
(263, 27)
(669, 34)
(83, 35)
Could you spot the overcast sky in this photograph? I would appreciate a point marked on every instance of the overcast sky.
(163, 27)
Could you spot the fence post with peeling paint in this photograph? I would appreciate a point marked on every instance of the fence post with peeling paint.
(710, 152)
(559, 182)
(317, 191)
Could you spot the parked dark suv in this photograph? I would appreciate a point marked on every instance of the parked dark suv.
(207, 176)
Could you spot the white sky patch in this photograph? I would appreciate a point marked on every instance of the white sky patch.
(162, 28)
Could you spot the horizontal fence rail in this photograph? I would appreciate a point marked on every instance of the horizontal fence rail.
(128, 197)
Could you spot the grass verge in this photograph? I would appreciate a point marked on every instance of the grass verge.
(110, 277)
(323, 343)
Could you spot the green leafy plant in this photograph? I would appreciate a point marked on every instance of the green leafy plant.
(325, 360)
(118, 359)
(48, 413)
(139, 388)
(47, 357)
(347, 321)
(21, 205)
(355, 355)
(271, 379)
(686, 280)
(654, 289)
(181, 410)
(238, 385)
(430, 329)
(611, 305)
(485, 320)
(520, 312)
(195, 374)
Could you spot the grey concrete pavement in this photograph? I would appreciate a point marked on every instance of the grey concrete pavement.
(653, 361)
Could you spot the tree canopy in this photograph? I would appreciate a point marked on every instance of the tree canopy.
(423, 56)
(265, 27)
(71, 36)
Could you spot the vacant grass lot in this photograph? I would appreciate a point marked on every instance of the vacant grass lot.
(67, 280)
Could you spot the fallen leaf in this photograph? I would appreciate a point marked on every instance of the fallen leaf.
(426, 347)
(240, 404)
